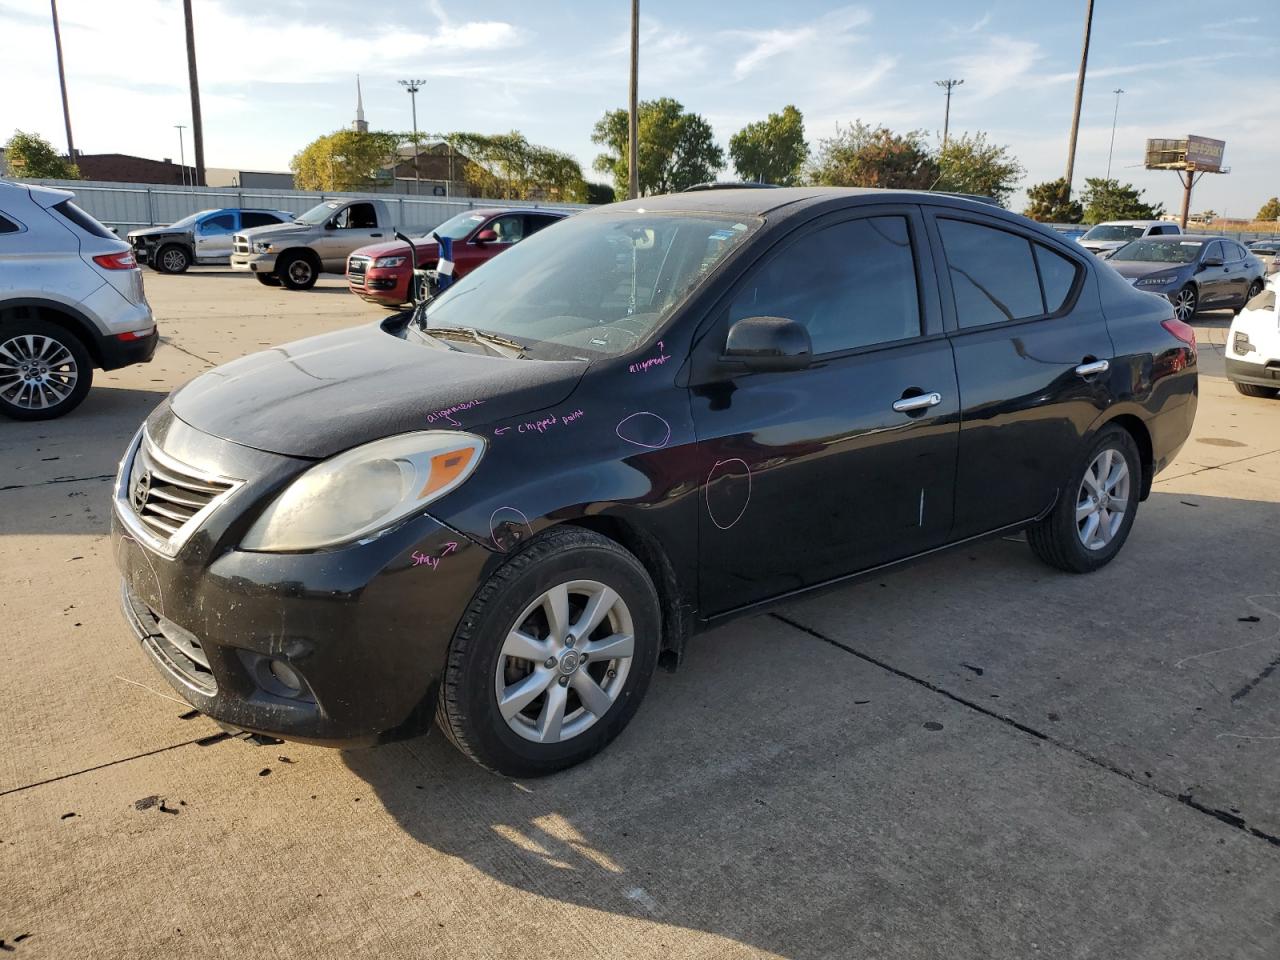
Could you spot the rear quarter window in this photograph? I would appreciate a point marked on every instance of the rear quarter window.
(69, 211)
(7, 225)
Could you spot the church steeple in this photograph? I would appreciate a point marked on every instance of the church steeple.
(361, 125)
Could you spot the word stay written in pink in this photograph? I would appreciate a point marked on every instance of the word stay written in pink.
(431, 562)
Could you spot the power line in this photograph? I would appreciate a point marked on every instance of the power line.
(948, 85)
(62, 82)
(1075, 117)
(413, 86)
(1114, 116)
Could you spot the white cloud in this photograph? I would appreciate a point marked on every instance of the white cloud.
(1000, 65)
(836, 27)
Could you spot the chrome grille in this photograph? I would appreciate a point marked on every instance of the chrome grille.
(164, 500)
(240, 244)
(356, 268)
(176, 648)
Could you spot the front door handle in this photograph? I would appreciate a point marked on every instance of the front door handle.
(921, 402)
(1096, 366)
(375, 234)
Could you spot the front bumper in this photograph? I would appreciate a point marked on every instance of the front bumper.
(1259, 374)
(254, 262)
(381, 285)
(365, 629)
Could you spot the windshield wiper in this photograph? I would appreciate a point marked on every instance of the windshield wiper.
(478, 336)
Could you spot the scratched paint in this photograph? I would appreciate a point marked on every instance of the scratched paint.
(508, 526)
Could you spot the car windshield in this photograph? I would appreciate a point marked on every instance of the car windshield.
(595, 286)
(189, 220)
(320, 212)
(455, 228)
(1112, 231)
(1160, 250)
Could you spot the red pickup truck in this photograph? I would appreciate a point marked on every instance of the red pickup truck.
(380, 272)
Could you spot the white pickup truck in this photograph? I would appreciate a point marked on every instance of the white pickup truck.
(295, 254)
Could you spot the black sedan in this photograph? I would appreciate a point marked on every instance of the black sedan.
(504, 510)
(1195, 272)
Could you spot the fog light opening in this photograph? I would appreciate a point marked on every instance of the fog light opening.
(286, 676)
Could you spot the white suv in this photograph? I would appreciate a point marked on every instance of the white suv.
(1253, 344)
(71, 299)
(1111, 236)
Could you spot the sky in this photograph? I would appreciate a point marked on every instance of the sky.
(276, 75)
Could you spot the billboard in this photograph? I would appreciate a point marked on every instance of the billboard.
(1205, 153)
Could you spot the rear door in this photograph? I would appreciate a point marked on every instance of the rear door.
(813, 474)
(1032, 357)
(1238, 274)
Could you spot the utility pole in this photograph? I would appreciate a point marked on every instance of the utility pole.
(1114, 116)
(62, 82)
(633, 118)
(1075, 117)
(947, 85)
(182, 153)
(413, 86)
(197, 126)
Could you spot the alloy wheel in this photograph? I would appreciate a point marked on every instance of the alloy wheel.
(1103, 499)
(36, 372)
(300, 271)
(1184, 304)
(174, 261)
(565, 661)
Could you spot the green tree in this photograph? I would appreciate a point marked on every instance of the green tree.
(1270, 210)
(676, 149)
(1050, 202)
(32, 156)
(772, 150)
(1110, 200)
(344, 160)
(507, 166)
(600, 193)
(864, 156)
(972, 164)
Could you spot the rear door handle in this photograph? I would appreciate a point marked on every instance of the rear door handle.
(1097, 366)
(921, 402)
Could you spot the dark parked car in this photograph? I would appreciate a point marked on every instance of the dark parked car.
(1194, 271)
(504, 509)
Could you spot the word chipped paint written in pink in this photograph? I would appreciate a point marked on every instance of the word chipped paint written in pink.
(542, 425)
(448, 412)
(422, 560)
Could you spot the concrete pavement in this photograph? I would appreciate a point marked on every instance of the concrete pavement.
(972, 757)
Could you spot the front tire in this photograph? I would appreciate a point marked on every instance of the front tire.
(45, 371)
(172, 259)
(1092, 519)
(1186, 302)
(267, 279)
(297, 271)
(1255, 390)
(552, 657)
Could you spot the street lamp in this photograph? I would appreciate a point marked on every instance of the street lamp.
(947, 85)
(1114, 117)
(182, 154)
(413, 86)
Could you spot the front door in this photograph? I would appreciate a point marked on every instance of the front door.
(508, 229)
(1213, 279)
(355, 225)
(1033, 359)
(812, 474)
(213, 237)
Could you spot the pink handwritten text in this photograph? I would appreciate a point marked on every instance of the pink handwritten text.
(448, 412)
(543, 424)
(644, 365)
(431, 562)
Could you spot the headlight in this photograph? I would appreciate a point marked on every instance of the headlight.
(1155, 281)
(389, 261)
(363, 491)
(262, 246)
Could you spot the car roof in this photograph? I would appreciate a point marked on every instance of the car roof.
(1133, 223)
(493, 211)
(1179, 237)
(43, 196)
(755, 203)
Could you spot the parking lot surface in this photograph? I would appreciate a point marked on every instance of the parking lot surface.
(974, 756)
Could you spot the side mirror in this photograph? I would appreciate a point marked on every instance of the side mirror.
(1210, 262)
(330, 225)
(486, 236)
(769, 343)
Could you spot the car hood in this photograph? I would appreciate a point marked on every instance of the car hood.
(325, 394)
(1102, 244)
(1133, 269)
(271, 231)
(397, 248)
(156, 231)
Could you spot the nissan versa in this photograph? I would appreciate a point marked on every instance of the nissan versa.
(505, 509)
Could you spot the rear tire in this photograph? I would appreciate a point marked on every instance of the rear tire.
(1082, 515)
(172, 258)
(554, 728)
(1255, 288)
(1254, 390)
(267, 279)
(297, 271)
(42, 363)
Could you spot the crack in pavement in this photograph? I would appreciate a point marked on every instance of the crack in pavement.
(103, 766)
(1215, 466)
(1183, 798)
(45, 483)
(1248, 687)
(212, 363)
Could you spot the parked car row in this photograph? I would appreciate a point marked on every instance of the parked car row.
(203, 237)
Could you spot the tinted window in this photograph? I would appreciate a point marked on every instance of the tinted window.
(535, 222)
(851, 284)
(358, 216)
(82, 220)
(8, 226)
(250, 219)
(510, 229)
(1214, 250)
(1237, 251)
(222, 223)
(993, 275)
(1057, 276)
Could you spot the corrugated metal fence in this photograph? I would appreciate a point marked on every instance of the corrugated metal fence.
(129, 205)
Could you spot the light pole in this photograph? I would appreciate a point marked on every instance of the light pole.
(633, 119)
(1075, 117)
(182, 153)
(413, 86)
(62, 82)
(1114, 117)
(197, 125)
(947, 85)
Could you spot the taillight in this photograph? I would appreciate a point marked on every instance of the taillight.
(116, 261)
(134, 335)
(1183, 331)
